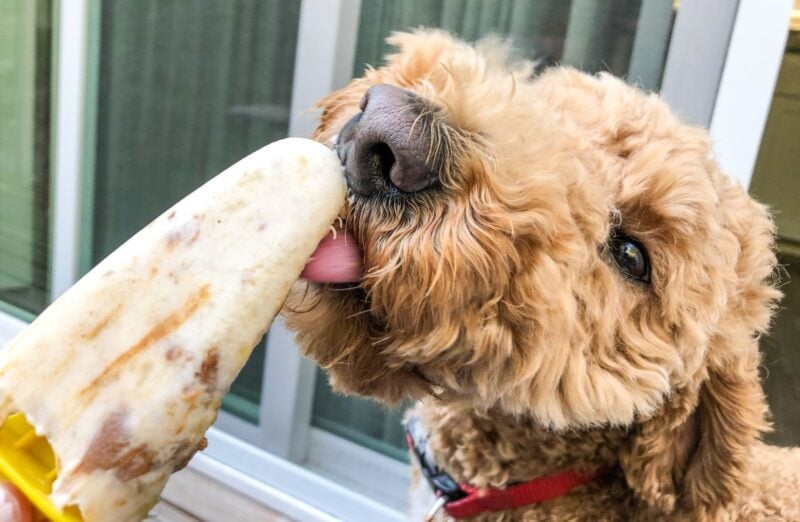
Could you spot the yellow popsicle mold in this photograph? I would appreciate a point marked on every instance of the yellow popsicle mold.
(27, 460)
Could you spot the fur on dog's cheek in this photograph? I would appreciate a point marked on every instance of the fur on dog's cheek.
(500, 318)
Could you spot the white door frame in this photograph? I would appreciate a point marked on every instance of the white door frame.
(748, 81)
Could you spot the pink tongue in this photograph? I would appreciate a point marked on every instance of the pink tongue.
(335, 260)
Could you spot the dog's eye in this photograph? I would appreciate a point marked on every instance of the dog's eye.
(630, 257)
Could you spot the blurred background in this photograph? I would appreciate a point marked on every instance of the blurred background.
(111, 110)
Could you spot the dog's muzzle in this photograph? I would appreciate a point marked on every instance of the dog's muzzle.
(387, 146)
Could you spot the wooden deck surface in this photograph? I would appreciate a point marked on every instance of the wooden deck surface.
(192, 496)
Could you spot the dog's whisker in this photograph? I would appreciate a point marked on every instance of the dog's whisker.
(513, 86)
(306, 290)
(344, 289)
(359, 313)
(418, 119)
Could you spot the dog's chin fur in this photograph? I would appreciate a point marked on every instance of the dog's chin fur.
(494, 294)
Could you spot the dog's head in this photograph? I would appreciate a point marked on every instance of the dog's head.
(558, 246)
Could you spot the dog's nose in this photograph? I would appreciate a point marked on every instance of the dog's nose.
(387, 145)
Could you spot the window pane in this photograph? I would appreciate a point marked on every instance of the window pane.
(25, 37)
(362, 421)
(627, 37)
(775, 182)
(187, 87)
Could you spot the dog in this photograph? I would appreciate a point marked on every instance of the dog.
(555, 268)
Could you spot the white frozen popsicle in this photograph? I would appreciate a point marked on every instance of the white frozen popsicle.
(125, 372)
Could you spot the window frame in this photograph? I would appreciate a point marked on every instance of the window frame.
(753, 60)
(286, 462)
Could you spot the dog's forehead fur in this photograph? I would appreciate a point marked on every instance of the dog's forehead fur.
(497, 289)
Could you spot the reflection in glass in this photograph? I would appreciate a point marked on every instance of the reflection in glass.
(626, 37)
(25, 40)
(187, 87)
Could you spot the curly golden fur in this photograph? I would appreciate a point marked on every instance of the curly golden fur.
(494, 300)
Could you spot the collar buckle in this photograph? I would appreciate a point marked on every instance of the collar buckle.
(442, 484)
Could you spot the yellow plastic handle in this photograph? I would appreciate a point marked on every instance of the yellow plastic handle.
(27, 460)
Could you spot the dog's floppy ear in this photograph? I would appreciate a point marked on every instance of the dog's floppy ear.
(692, 453)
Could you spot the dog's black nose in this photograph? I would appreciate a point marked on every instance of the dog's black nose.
(388, 145)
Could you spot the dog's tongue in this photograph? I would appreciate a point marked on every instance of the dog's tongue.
(336, 260)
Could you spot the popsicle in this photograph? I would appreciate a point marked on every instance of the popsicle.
(124, 373)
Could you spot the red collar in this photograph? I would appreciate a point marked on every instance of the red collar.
(463, 500)
(519, 495)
